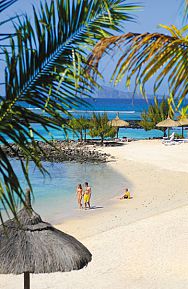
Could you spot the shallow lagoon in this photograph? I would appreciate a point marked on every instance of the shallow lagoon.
(55, 196)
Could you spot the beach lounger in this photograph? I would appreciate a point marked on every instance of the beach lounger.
(169, 143)
(182, 140)
(170, 140)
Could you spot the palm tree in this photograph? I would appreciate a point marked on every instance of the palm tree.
(99, 127)
(183, 112)
(183, 117)
(150, 54)
(156, 112)
(80, 125)
(46, 68)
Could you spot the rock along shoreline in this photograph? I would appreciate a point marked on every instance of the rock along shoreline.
(60, 151)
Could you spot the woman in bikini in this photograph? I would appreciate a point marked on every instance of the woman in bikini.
(79, 195)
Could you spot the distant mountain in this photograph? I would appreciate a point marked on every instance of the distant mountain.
(112, 92)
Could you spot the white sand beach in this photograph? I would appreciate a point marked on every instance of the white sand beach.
(139, 243)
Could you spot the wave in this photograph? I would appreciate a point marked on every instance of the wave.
(91, 111)
(102, 111)
(33, 108)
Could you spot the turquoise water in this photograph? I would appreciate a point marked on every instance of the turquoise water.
(55, 196)
(123, 132)
(127, 109)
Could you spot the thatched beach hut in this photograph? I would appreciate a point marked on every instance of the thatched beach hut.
(30, 245)
(183, 122)
(117, 123)
(168, 123)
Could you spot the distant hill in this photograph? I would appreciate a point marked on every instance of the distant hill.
(112, 92)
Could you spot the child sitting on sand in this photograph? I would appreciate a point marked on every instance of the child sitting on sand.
(126, 195)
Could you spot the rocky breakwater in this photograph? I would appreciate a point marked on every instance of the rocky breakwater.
(59, 151)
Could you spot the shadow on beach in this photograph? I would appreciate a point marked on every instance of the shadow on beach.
(95, 207)
(105, 143)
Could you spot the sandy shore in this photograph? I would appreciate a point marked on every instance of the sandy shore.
(137, 243)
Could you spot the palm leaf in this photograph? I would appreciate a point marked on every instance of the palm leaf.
(46, 68)
(4, 4)
(185, 10)
(147, 55)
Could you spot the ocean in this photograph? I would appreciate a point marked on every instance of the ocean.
(55, 196)
(128, 109)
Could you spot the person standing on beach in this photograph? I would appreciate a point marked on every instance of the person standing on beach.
(79, 195)
(87, 195)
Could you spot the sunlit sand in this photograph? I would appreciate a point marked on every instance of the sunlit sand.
(137, 243)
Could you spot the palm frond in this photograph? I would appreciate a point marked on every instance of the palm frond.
(185, 10)
(46, 68)
(4, 4)
(149, 54)
(48, 50)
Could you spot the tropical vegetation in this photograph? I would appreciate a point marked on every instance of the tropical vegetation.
(150, 55)
(46, 68)
(157, 111)
(80, 125)
(183, 112)
(99, 127)
(183, 117)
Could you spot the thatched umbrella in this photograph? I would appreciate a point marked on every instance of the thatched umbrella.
(183, 122)
(167, 123)
(117, 123)
(34, 246)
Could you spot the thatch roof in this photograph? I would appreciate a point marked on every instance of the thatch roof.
(37, 247)
(168, 123)
(117, 122)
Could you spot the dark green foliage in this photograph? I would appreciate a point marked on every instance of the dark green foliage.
(99, 127)
(156, 113)
(46, 68)
(80, 125)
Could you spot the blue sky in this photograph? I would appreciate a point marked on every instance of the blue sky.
(153, 13)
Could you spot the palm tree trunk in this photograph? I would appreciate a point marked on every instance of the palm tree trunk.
(85, 135)
(81, 135)
(102, 139)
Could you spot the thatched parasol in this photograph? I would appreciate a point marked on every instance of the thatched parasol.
(168, 123)
(117, 122)
(183, 122)
(34, 246)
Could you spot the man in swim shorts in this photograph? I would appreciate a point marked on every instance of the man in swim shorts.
(87, 195)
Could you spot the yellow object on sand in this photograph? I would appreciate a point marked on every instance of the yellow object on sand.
(86, 198)
(127, 195)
